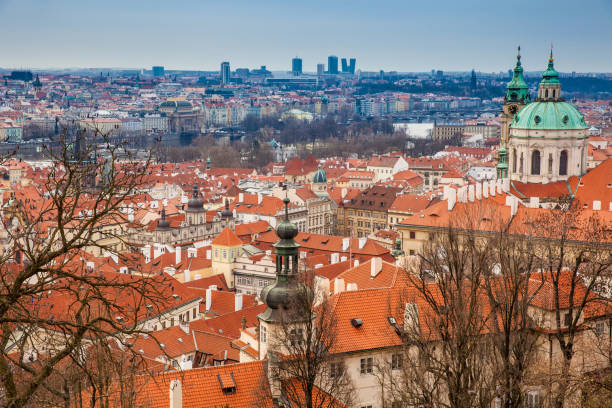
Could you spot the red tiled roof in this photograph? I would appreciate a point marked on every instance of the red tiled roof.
(227, 238)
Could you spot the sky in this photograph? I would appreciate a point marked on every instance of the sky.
(401, 35)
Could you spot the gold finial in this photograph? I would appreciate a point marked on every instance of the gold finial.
(551, 54)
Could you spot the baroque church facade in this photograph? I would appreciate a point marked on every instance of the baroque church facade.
(544, 140)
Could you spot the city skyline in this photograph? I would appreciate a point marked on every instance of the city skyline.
(391, 36)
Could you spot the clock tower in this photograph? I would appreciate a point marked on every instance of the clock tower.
(517, 96)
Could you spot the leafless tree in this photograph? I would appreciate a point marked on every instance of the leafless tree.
(575, 251)
(55, 307)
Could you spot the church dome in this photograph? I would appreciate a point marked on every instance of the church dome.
(548, 115)
(320, 176)
(195, 204)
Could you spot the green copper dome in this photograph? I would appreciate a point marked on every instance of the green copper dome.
(547, 116)
(320, 176)
(517, 89)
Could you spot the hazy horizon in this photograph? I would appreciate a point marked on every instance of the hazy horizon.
(394, 36)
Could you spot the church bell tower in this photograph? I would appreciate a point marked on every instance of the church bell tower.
(517, 96)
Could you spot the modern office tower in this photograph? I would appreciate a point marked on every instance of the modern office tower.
(345, 67)
(225, 72)
(320, 69)
(158, 71)
(332, 64)
(352, 63)
(296, 66)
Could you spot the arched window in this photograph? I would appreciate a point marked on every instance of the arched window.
(563, 163)
(553, 93)
(535, 162)
(514, 160)
(546, 93)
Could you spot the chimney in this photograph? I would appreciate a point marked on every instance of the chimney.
(339, 285)
(445, 192)
(506, 185)
(355, 263)
(411, 317)
(375, 266)
(208, 299)
(176, 394)
(596, 205)
(178, 251)
(184, 325)
(485, 189)
(478, 191)
(492, 189)
(343, 258)
(362, 242)
(208, 253)
(534, 202)
(345, 244)
(335, 257)
(462, 194)
(259, 198)
(187, 275)
(499, 186)
(237, 302)
(452, 198)
(470, 193)
(241, 197)
(146, 252)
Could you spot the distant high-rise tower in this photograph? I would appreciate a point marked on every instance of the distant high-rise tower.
(332, 64)
(473, 80)
(345, 67)
(352, 63)
(296, 66)
(320, 69)
(225, 72)
(158, 71)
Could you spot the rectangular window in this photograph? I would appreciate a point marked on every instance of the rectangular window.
(396, 361)
(336, 369)
(297, 337)
(264, 334)
(367, 364)
(194, 313)
(567, 319)
(600, 328)
(412, 235)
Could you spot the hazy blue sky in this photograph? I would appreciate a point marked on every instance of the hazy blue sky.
(403, 35)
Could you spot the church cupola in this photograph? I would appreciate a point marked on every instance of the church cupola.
(163, 224)
(195, 203)
(550, 86)
(517, 89)
(279, 296)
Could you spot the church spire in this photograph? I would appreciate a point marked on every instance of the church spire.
(517, 89)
